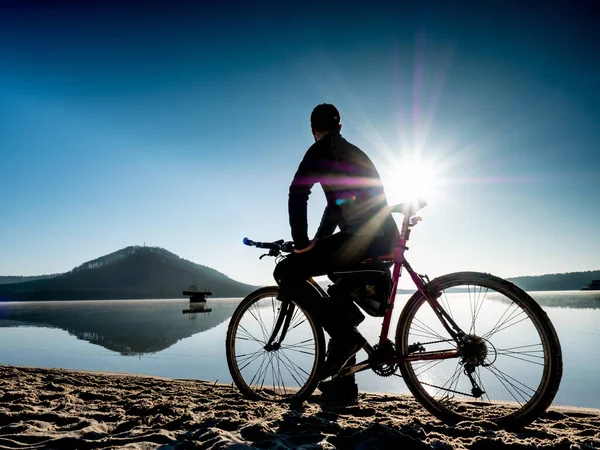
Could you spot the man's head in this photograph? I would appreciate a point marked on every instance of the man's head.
(324, 119)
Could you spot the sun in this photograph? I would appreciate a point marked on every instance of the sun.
(410, 179)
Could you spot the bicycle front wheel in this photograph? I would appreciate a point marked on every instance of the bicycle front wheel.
(509, 362)
(274, 348)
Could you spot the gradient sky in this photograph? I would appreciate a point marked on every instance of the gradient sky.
(181, 127)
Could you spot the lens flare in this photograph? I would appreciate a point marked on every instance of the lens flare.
(410, 179)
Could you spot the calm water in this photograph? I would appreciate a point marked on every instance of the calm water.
(165, 338)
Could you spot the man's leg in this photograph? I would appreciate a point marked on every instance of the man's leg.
(340, 389)
(291, 274)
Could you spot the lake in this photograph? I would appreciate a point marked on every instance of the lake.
(166, 338)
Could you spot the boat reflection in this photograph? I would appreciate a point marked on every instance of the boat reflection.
(195, 308)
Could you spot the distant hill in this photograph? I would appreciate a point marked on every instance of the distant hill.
(153, 272)
(132, 272)
(557, 281)
(21, 279)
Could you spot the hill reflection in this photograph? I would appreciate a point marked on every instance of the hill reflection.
(127, 327)
(137, 327)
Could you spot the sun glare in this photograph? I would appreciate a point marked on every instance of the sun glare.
(410, 179)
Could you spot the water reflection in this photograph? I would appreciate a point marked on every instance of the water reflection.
(568, 299)
(123, 326)
(149, 326)
(197, 308)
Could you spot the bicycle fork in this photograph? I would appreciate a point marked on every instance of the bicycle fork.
(282, 324)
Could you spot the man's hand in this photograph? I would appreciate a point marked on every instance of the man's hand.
(306, 249)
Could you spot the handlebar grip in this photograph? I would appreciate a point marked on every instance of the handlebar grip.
(252, 243)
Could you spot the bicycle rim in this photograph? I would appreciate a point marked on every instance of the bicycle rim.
(283, 372)
(513, 354)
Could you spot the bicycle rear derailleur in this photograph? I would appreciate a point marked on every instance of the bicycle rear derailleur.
(380, 357)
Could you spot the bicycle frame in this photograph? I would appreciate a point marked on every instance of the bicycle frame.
(423, 287)
(399, 262)
(449, 324)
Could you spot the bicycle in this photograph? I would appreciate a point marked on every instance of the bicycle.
(457, 338)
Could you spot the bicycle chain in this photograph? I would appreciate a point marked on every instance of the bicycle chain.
(434, 342)
(387, 370)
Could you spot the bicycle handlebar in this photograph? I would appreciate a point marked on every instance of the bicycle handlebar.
(277, 246)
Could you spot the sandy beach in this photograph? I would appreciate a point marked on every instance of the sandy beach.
(41, 408)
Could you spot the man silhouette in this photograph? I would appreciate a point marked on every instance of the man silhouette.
(356, 203)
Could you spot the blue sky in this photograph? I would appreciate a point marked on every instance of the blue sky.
(182, 127)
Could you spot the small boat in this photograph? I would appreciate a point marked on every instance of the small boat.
(593, 286)
(195, 295)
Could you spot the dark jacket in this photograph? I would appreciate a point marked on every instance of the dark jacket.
(355, 198)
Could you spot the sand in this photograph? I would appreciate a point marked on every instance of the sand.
(41, 408)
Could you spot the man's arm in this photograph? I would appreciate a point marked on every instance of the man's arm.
(307, 175)
(329, 222)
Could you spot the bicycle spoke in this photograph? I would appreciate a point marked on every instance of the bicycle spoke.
(261, 323)
(262, 327)
(427, 365)
(476, 308)
(506, 322)
(524, 359)
(298, 323)
(296, 367)
(266, 369)
(448, 308)
(259, 370)
(532, 354)
(250, 335)
(423, 328)
(274, 371)
(296, 316)
(300, 348)
(281, 380)
(506, 380)
(453, 381)
(249, 359)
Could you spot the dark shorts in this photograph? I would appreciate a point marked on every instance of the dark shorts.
(338, 252)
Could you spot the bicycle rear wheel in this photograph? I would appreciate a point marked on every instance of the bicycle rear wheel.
(509, 365)
(274, 348)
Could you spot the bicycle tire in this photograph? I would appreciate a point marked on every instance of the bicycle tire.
(508, 414)
(313, 347)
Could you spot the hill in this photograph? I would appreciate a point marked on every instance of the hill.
(132, 272)
(557, 281)
(23, 279)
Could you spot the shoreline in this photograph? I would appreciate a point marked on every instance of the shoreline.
(59, 408)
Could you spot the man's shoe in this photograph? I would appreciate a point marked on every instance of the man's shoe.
(339, 352)
(342, 389)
